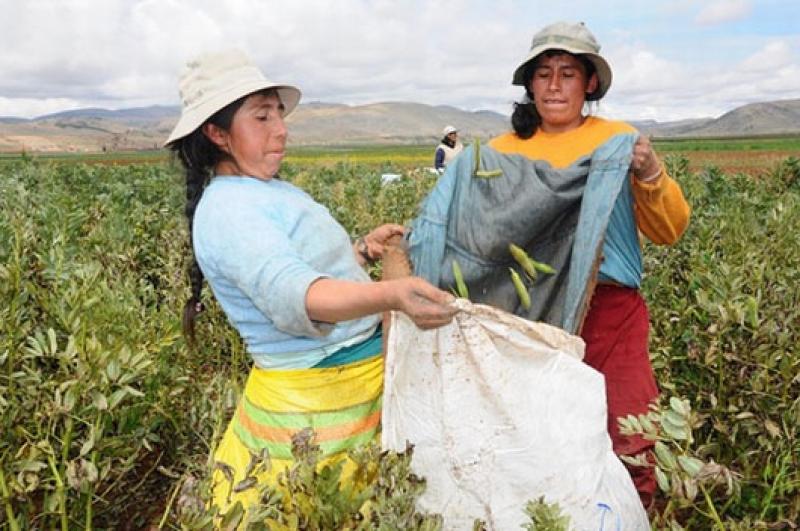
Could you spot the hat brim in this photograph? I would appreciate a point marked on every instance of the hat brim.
(193, 117)
(604, 75)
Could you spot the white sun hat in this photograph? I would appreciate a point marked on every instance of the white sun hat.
(574, 38)
(212, 81)
(449, 129)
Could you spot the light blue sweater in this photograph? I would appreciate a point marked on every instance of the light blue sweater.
(260, 245)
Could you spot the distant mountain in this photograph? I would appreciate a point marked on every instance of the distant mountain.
(766, 118)
(314, 123)
(134, 115)
(391, 122)
(318, 123)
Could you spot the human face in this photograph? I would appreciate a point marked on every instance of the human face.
(559, 86)
(256, 141)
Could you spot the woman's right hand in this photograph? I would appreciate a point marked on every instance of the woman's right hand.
(426, 305)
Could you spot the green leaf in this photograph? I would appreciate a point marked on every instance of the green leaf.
(647, 424)
(681, 407)
(51, 336)
(70, 398)
(117, 397)
(113, 370)
(663, 480)
(132, 391)
(664, 456)
(99, 401)
(232, 518)
(690, 488)
(691, 465)
(87, 446)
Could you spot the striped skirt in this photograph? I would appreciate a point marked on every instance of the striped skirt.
(342, 404)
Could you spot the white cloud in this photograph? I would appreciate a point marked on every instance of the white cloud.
(774, 55)
(33, 107)
(721, 11)
(123, 53)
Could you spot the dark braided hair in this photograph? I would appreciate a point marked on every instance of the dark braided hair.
(525, 119)
(199, 156)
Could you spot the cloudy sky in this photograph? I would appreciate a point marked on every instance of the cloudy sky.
(672, 59)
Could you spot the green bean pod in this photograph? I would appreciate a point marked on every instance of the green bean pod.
(476, 152)
(522, 292)
(541, 266)
(523, 260)
(461, 287)
(488, 174)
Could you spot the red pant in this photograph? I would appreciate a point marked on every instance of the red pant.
(616, 333)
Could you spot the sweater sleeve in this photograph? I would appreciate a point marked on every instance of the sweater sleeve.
(661, 210)
(257, 256)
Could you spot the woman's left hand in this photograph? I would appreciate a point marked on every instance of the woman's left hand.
(377, 238)
(645, 164)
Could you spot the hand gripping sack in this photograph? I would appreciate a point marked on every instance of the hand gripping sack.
(501, 411)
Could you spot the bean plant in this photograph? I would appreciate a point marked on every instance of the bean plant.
(108, 419)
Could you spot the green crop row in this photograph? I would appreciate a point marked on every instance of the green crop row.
(107, 418)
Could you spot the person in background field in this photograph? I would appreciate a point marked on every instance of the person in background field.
(562, 71)
(447, 149)
(285, 273)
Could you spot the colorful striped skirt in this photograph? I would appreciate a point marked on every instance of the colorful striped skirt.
(341, 403)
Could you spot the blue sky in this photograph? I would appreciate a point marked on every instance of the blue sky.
(672, 59)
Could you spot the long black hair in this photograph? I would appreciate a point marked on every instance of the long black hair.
(199, 156)
(525, 119)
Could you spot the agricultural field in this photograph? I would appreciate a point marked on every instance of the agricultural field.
(752, 155)
(109, 419)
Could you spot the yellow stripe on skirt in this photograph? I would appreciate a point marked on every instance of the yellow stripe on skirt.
(341, 404)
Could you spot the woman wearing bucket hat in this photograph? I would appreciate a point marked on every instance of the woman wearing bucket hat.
(447, 149)
(573, 191)
(562, 71)
(286, 275)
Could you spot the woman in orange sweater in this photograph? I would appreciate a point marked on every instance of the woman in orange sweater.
(563, 71)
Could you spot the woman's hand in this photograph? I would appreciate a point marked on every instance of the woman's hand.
(375, 241)
(645, 164)
(426, 305)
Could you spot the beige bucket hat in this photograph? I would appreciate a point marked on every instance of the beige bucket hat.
(574, 38)
(212, 81)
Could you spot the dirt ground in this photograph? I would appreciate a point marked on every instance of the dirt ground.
(750, 162)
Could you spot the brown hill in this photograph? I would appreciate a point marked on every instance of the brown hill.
(754, 119)
(94, 130)
(310, 124)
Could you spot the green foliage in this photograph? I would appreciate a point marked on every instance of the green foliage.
(93, 372)
(782, 143)
(725, 310)
(545, 516)
(380, 494)
(356, 198)
(679, 472)
(106, 416)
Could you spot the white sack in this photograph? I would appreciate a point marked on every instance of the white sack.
(501, 411)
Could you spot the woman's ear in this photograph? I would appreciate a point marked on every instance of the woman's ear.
(217, 135)
(591, 86)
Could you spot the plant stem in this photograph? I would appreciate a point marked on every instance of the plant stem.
(12, 521)
(90, 496)
(169, 505)
(713, 509)
(62, 500)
